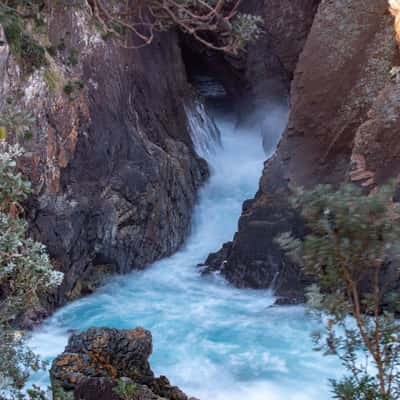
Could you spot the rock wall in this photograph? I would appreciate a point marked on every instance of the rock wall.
(112, 162)
(342, 126)
(271, 60)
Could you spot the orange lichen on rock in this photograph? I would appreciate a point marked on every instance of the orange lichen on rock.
(67, 151)
(95, 360)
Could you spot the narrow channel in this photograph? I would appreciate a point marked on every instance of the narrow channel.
(214, 341)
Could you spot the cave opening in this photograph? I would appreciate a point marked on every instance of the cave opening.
(256, 103)
(213, 76)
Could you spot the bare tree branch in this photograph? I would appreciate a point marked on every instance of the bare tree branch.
(212, 23)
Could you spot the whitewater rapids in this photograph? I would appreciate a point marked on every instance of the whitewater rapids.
(214, 341)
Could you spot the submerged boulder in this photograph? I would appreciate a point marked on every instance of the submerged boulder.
(97, 363)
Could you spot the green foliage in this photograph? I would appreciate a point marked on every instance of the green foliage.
(215, 24)
(71, 87)
(52, 79)
(362, 388)
(26, 49)
(73, 57)
(37, 393)
(126, 389)
(15, 122)
(16, 362)
(246, 28)
(25, 270)
(60, 394)
(13, 188)
(352, 253)
(25, 275)
(27, 8)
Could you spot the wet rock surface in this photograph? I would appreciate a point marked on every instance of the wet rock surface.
(342, 126)
(94, 363)
(113, 166)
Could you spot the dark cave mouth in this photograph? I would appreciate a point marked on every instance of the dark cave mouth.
(222, 82)
(212, 76)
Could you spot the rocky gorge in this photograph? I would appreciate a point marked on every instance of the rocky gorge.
(120, 162)
(113, 168)
(101, 202)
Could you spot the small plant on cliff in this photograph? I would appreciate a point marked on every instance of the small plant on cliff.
(352, 253)
(26, 49)
(126, 389)
(25, 275)
(72, 87)
(15, 123)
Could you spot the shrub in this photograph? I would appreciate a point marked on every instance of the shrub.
(26, 275)
(15, 123)
(126, 389)
(51, 78)
(352, 253)
(72, 86)
(73, 57)
(30, 54)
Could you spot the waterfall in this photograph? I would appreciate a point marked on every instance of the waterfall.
(203, 130)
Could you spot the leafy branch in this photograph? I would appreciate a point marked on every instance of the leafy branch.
(352, 253)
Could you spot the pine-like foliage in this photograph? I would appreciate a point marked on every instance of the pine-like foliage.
(352, 254)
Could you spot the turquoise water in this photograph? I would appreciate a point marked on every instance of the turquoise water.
(215, 341)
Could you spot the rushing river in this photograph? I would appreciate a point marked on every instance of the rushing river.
(214, 341)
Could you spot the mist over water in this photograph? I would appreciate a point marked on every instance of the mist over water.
(214, 341)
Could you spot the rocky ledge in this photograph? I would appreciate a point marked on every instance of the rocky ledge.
(98, 362)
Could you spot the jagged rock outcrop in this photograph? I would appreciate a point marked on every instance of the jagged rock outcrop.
(94, 363)
(113, 167)
(343, 125)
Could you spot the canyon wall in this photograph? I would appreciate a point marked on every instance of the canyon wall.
(343, 126)
(112, 163)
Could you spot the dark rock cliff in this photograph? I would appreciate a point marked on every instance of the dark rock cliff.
(342, 126)
(112, 162)
(96, 361)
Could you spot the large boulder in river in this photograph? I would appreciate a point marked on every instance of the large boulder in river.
(97, 360)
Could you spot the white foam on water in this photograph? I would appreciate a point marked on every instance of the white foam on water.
(214, 341)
